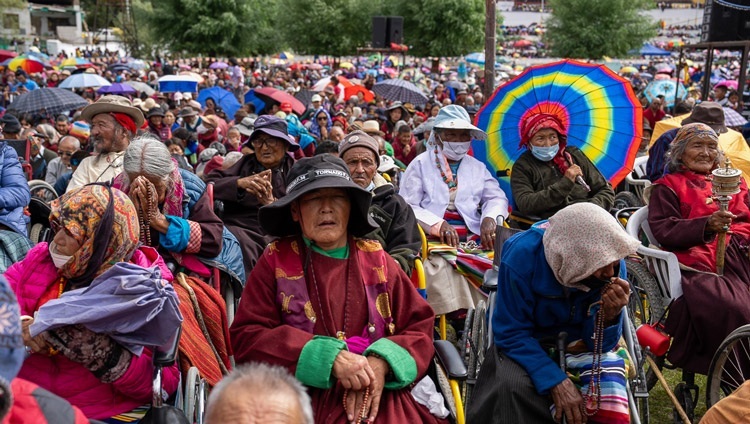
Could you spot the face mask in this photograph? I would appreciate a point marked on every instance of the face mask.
(58, 259)
(545, 154)
(455, 150)
(201, 129)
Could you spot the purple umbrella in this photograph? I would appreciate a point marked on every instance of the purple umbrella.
(118, 88)
(219, 65)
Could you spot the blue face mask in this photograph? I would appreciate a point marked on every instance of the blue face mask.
(545, 154)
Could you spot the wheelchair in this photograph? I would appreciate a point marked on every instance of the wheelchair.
(481, 337)
(656, 278)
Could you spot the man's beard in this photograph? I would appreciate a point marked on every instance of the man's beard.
(99, 146)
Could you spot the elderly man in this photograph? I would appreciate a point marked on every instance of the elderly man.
(397, 232)
(259, 393)
(58, 166)
(337, 134)
(190, 119)
(114, 121)
(255, 180)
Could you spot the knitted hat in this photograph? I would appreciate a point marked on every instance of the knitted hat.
(359, 139)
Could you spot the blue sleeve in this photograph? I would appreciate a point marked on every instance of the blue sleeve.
(177, 236)
(513, 326)
(657, 155)
(14, 190)
(612, 333)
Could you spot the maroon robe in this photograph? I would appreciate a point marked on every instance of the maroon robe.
(258, 333)
(711, 305)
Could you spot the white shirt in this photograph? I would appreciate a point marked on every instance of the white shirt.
(99, 168)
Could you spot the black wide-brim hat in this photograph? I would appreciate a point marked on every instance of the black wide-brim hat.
(309, 174)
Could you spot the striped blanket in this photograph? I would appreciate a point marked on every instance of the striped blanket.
(613, 408)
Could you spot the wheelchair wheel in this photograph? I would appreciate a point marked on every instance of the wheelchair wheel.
(626, 199)
(730, 366)
(195, 396)
(35, 235)
(646, 306)
(478, 346)
(685, 398)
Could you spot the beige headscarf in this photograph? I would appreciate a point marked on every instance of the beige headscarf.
(582, 238)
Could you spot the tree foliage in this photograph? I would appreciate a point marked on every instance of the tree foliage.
(325, 27)
(211, 27)
(441, 27)
(591, 29)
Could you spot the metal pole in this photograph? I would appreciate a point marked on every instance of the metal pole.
(743, 72)
(490, 37)
(707, 72)
(677, 86)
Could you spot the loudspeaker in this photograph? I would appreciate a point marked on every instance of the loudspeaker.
(395, 30)
(722, 23)
(379, 32)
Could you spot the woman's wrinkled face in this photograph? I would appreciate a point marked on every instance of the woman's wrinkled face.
(454, 135)
(65, 243)
(606, 272)
(546, 137)
(700, 155)
(323, 216)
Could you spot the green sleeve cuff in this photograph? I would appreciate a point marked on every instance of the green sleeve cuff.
(403, 366)
(316, 361)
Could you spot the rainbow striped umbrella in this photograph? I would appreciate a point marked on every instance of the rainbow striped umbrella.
(599, 109)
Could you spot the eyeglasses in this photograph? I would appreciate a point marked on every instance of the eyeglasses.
(323, 118)
(268, 141)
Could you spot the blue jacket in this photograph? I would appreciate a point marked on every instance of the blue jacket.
(14, 191)
(230, 258)
(532, 305)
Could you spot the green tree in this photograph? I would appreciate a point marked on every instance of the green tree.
(442, 27)
(325, 27)
(591, 29)
(213, 27)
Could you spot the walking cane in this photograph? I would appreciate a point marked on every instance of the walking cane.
(725, 183)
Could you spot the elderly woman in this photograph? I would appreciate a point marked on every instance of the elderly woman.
(455, 199)
(561, 275)
(685, 219)
(176, 216)
(255, 180)
(551, 175)
(96, 228)
(332, 308)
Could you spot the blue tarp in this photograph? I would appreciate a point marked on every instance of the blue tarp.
(650, 50)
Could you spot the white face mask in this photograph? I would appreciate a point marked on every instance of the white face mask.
(455, 150)
(201, 129)
(58, 259)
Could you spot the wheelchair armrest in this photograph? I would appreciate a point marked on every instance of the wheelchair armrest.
(489, 281)
(450, 359)
(219, 208)
(166, 354)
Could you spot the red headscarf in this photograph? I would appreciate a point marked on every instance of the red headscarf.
(125, 121)
(532, 124)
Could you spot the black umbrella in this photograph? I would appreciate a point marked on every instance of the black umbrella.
(118, 67)
(51, 100)
(305, 96)
(400, 90)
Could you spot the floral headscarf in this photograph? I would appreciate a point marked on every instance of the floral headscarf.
(81, 212)
(696, 131)
(534, 123)
(315, 127)
(581, 239)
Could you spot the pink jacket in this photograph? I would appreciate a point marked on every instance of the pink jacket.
(29, 279)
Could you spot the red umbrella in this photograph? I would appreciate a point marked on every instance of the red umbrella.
(281, 97)
(522, 44)
(354, 89)
(7, 54)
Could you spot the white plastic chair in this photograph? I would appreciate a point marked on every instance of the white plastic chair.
(639, 183)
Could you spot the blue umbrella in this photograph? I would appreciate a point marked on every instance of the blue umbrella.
(175, 83)
(223, 98)
(475, 58)
(666, 88)
(259, 104)
(119, 89)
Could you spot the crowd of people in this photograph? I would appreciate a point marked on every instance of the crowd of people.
(318, 216)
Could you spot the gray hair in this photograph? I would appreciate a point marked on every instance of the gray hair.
(147, 155)
(266, 379)
(675, 152)
(75, 141)
(231, 158)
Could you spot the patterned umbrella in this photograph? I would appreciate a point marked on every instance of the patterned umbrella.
(399, 90)
(732, 118)
(84, 80)
(666, 88)
(118, 88)
(599, 109)
(30, 64)
(51, 100)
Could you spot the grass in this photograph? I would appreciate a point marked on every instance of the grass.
(660, 406)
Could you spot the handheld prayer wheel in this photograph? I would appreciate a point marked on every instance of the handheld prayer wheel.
(725, 184)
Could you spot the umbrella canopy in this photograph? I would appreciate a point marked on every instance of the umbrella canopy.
(475, 58)
(118, 67)
(223, 98)
(304, 96)
(218, 65)
(192, 75)
(141, 87)
(355, 89)
(399, 90)
(628, 70)
(346, 65)
(174, 83)
(285, 56)
(7, 54)
(30, 64)
(521, 44)
(84, 80)
(729, 84)
(51, 100)
(270, 94)
(650, 50)
(117, 88)
(598, 108)
(732, 118)
(75, 62)
(666, 88)
(324, 82)
(259, 103)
